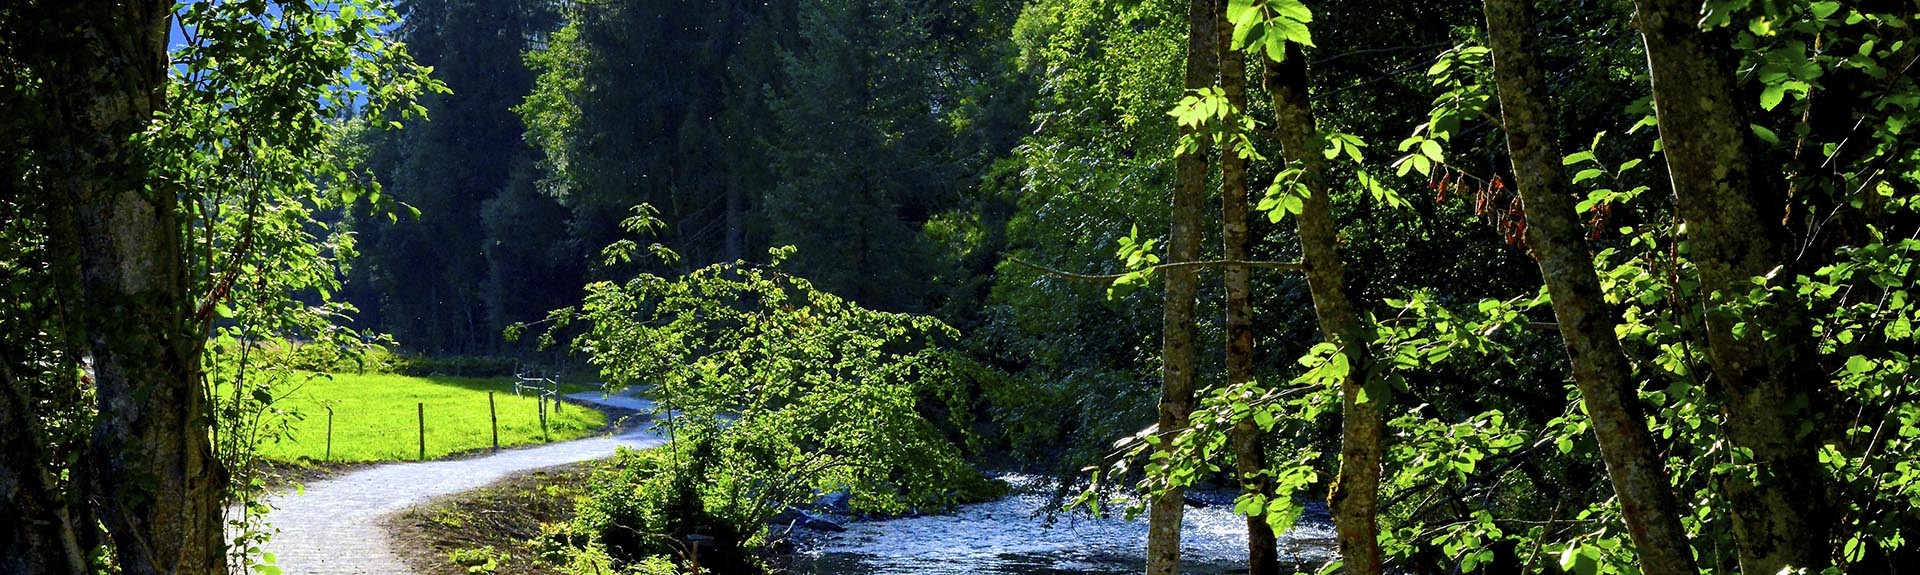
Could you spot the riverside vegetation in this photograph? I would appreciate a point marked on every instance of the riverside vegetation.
(1618, 286)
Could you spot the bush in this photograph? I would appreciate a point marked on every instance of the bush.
(643, 506)
(783, 392)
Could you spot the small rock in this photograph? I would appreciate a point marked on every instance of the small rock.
(795, 518)
(836, 502)
(818, 523)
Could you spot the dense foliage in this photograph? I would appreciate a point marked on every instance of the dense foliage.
(1600, 287)
(234, 159)
(745, 124)
(773, 394)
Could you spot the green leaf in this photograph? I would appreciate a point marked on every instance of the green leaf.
(1431, 149)
(1276, 45)
(1249, 27)
(1859, 364)
(1293, 30)
(1291, 204)
(1253, 507)
(1293, 10)
(1403, 166)
(1576, 559)
(1237, 9)
(1771, 96)
(1824, 10)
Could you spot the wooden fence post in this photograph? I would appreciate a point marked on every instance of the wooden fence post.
(422, 407)
(543, 418)
(493, 416)
(329, 455)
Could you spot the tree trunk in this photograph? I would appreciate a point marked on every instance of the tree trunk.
(1733, 217)
(1249, 453)
(1177, 372)
(1355, 493)
(104, 65)
(1556, 237)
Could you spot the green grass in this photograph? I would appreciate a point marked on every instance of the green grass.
(374, 418)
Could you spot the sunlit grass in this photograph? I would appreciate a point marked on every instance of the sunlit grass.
(375, 418)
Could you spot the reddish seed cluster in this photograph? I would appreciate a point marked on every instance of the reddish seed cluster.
(1597, 223)
(1492, 201)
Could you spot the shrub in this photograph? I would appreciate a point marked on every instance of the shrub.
(783, 392)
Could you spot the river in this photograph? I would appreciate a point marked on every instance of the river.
(1011, 536)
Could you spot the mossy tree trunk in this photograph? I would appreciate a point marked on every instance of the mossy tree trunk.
(1558, 242)
(1733, 214)
(1355, 494)
(1249, 452)
(1166, 511)
(104, 69)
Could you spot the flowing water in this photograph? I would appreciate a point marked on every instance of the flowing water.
(1010, 536)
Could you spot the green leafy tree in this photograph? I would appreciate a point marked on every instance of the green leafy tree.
(179, 205)
(772, 393)
(1556, 237)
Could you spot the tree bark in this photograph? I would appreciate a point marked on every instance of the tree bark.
(1556, 237)
(104, 68)
(1249, 452)
(1733, 216)
(1356, 491)
(1167, 509)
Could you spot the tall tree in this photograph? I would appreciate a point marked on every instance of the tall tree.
(435, 279)
(1167, 509)
(103, 69)
(1249, 449)
(1558, 241)
(1355, 494)
(861, 154)
(663, 103)
(1734, 212)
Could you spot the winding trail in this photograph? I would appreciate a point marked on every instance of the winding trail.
(333, 528)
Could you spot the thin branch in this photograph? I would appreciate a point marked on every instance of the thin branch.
(1282, 266)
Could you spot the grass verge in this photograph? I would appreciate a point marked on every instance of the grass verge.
(376, 418)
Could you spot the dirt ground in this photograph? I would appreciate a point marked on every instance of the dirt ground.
(502, 517)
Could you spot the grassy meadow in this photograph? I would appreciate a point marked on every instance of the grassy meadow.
(374, 418)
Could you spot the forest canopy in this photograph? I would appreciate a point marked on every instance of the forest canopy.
(1515, 286)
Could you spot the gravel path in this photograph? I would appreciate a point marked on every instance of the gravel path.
(334, 527)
